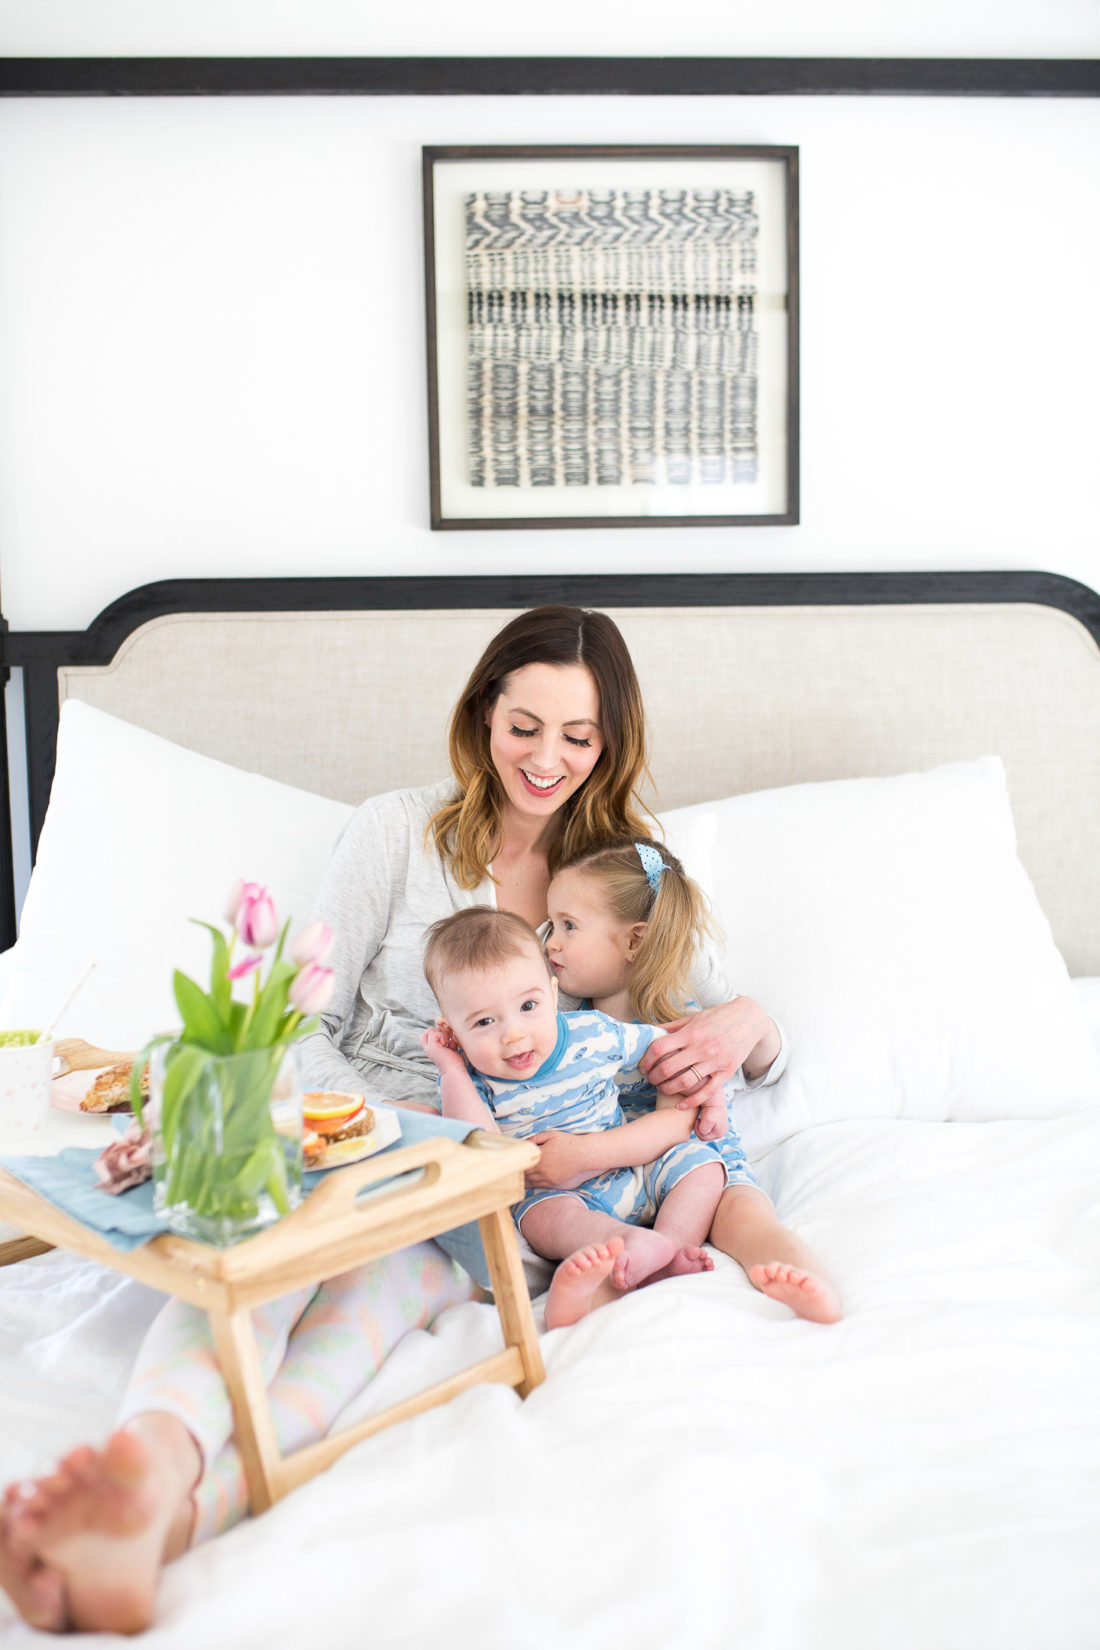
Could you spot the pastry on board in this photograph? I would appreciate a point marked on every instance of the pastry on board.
(111, 1089)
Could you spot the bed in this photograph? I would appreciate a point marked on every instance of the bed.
(890, 787)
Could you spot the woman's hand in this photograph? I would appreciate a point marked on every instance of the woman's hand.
(561, 1160)
(698, 1053)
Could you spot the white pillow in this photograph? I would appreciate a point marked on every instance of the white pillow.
(890, 926)
(691, 834)
(1087, 992)
(140, 835)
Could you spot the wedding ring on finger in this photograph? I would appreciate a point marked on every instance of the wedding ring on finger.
(700, 1079)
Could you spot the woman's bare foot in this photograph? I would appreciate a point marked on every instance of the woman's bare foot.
(581, 1283)
(100, 1524)
(805, 1293)
(644, 1252)
(685, 1261)
(36, 1590)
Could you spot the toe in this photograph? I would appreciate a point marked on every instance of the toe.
(79, 1464)
(46, 1608)
(31, 1504)
(124, 1459)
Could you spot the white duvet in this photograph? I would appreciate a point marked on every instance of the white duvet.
(699, 1469)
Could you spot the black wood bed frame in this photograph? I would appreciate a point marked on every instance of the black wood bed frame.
(40, 653)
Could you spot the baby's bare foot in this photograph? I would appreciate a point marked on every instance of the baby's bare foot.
(685, 1261)
(98, 1523)
(576, 1285)
(805, 1293)
(644, 1253)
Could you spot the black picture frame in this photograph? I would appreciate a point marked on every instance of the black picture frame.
(713, 446)
(662, 76)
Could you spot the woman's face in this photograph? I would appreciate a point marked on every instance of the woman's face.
(544, 736)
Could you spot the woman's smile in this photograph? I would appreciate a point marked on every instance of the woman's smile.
(540, 785)
(544, 735)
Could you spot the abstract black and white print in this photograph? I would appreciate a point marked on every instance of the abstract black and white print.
(612, 337)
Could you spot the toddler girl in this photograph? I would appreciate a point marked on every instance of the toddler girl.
(626, 924)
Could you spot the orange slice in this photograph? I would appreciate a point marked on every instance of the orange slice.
(327, 1111)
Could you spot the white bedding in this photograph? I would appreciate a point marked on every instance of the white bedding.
(699, 1469)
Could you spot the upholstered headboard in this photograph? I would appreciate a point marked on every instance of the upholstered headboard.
(345, 687)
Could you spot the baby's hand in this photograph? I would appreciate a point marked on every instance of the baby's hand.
(713, 1119)
(561, 1160)
(442, 1050)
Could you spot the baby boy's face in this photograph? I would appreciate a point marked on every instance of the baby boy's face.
(504, 1018)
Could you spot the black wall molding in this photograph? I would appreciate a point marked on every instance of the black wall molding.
(548, 76)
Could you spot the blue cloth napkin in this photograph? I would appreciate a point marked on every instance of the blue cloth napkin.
(126, 1219)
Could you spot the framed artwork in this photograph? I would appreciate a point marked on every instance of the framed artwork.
(612, 336)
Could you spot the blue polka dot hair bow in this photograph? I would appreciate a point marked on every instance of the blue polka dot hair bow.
(652, 864)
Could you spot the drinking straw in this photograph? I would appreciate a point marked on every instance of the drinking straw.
(46, 1035)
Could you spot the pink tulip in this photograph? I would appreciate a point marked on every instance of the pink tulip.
(241, 893)
(313, 944)
(311, 989)
(245, 967)
(256, 921)
(233, 903)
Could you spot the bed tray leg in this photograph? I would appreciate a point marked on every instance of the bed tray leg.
(513, 1303)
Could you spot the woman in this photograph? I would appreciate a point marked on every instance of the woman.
(547, 749)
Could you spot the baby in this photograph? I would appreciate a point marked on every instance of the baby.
(510, 1062)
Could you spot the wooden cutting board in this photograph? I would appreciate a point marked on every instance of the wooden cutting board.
(77, 1055)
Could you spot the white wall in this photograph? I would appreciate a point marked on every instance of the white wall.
(211, 323)
(211, 310)
(211, 318)
(612, 28)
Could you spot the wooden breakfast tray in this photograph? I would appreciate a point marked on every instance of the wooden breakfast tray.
(420, 1191)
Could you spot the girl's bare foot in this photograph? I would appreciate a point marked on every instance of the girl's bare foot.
(644, 1252)
(685, 1261)
(805, 1293)
(580, 1283)
(100, 1524)
(36, 1590)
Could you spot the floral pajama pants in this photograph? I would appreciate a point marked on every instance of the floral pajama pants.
(319, 1347)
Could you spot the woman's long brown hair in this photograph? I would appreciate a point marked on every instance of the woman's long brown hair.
(466, 830)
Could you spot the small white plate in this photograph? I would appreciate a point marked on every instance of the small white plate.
(67, 1091)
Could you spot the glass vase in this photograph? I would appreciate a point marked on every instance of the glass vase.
(227, 1139)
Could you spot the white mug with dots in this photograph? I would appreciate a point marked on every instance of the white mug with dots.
(26, 1070)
